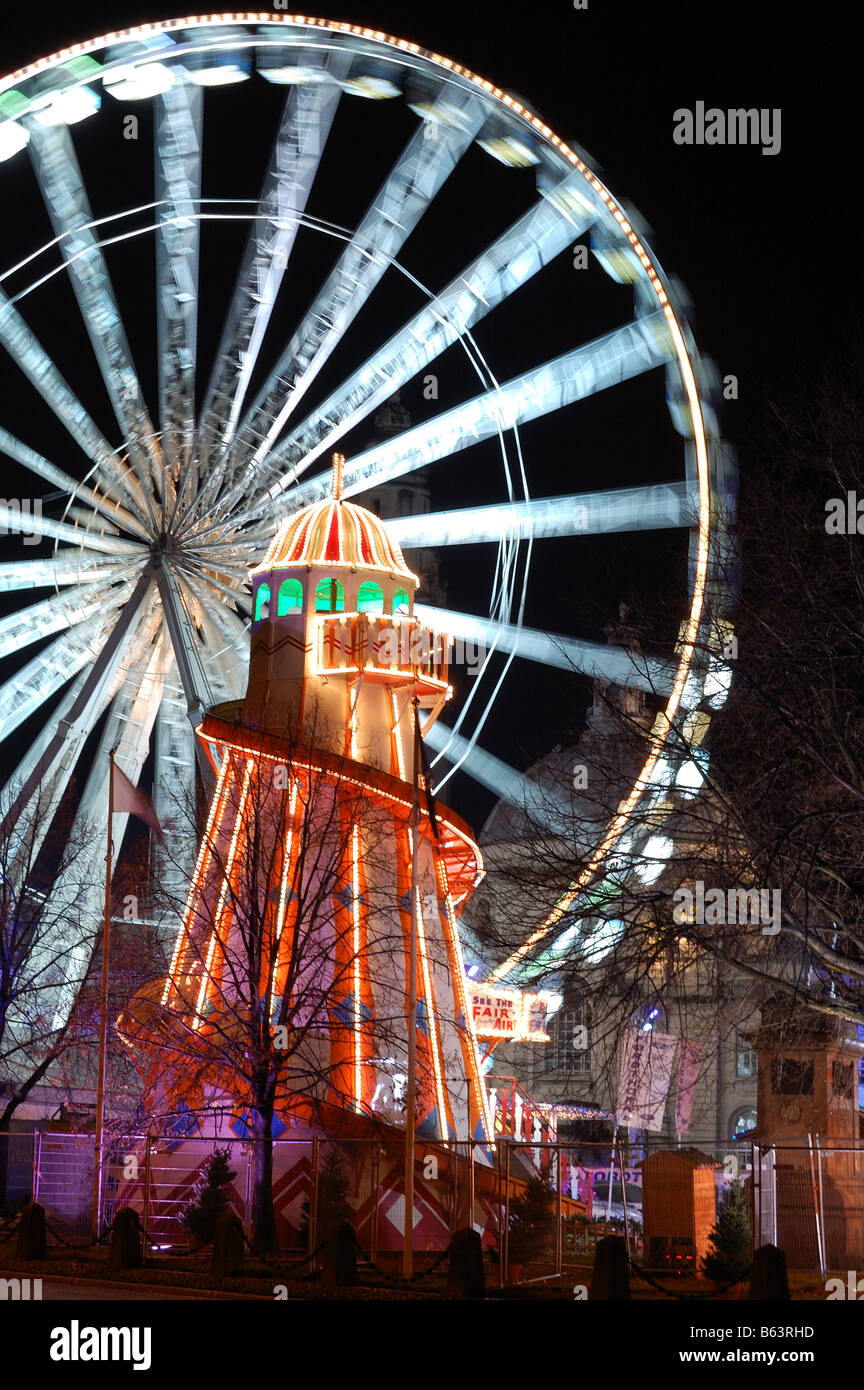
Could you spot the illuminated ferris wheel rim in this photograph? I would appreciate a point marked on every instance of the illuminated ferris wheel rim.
(291, 31)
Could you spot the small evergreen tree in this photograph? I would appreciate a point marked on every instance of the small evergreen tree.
(210, 1197)
(731, 1258)
(333, 1186)
(531, 1220)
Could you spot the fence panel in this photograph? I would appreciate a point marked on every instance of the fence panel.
(16, 1167)
(64, 1180)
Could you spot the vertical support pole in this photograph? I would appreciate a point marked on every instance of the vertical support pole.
(248, 1149)
(313, 1198)
(611, 1179)
(98, 1146)
(411, 1087)
(37, 1160)
(821, 1209)
(559, 1231)
(820, 1244)
(757, 1197)
(376, 1199)
(624, 1194)
(147, 1181)
(471, 1183)
(505, 1250)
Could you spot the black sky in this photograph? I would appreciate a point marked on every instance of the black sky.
(766, 245)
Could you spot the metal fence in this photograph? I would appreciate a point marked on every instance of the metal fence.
(540, 1208)
(808, 1199)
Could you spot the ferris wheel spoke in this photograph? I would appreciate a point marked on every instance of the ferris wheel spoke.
(411, 186)
(238, 599)
(230, 626)
(544, 806)
(660, 507)
(174, 789)
(515, 257)
(178, 140)
(610, 664)
(637, 347)
(104, 657)
(58, 758)
(59, 176)
(186, 645)
(306, 123)
(29, 688)
(37, 524)
(43, 468)
(127, 729)
(27, 352)
(66, 567)
(223, 644)
(61, 611)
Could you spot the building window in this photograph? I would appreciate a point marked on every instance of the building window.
(290, 597)
(567, 1049)
(743, 1123)
(370, 598)
(791, 1076)
(329, 597)
(746, 1060)
(262, 602)
(401, 602)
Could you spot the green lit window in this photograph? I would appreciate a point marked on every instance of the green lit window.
(370, 598)
(290, 597)
(262, 602)
(329, 597)
(401, 602)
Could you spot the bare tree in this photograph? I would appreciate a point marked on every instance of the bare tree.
(45, 953)
(765, 884)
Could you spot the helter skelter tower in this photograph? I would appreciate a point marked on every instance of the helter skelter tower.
(326, 733)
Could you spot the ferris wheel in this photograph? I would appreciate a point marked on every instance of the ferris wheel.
(148, 523)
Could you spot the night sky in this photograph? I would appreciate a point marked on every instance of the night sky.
(764, 244)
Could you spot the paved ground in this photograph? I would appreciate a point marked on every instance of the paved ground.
(64, 1291)
(92, 1292)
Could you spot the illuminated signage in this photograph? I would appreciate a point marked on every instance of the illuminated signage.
(507, 1013)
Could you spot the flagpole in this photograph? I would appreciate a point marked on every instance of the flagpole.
(103, 1010)
(411, 1087)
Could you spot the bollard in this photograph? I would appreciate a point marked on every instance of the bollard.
(124, 1251)
(31, 1244)
(465, 1278)
(611, 1277)
(768, 1277)
(340, 1256)
(227, 1246)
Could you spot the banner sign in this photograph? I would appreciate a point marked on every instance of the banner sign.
(508, 1013)
(646, 1070)
(688, 1071)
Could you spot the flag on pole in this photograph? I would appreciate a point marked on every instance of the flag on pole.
(427, 774)
(688, 1071)
(128, 797)
(646, 1071)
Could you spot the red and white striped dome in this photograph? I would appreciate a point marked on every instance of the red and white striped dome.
(335, 532)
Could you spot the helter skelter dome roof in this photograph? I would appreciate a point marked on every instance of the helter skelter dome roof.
(335, 532)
